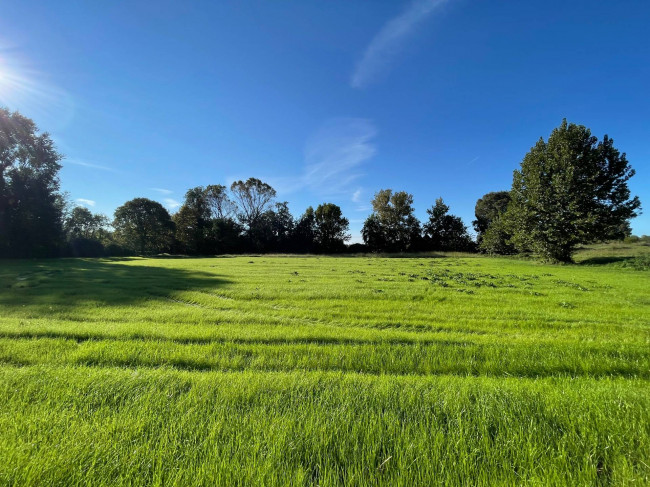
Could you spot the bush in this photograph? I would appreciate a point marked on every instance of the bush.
(640, 263)
(356, 248)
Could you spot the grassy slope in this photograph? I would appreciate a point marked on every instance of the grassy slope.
(276, 370)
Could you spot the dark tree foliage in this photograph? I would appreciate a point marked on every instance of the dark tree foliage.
(373, 234)
(204, 223)
(492, 235)
(86, 233)
(444, 231)
(304, 232)
(488, 208)
(31, 207)
(282, 227)
(496, 239)
(226, 234)
(392, 227)
(194, 223)
(330, 228)
(144, 226)
(570, 190)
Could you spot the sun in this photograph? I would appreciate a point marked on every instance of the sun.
(11, 84)
(5, 81)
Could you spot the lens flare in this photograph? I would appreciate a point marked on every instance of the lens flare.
(25, 90)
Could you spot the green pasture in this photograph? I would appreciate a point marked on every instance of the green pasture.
(290, 370)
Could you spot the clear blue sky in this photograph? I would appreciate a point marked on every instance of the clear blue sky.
(326, 101)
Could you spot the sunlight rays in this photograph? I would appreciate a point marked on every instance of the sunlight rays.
(25, 90)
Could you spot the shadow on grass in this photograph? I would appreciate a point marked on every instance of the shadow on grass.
(606, 260)
(108, 282)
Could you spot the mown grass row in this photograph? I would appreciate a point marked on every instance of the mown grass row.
(442, 357)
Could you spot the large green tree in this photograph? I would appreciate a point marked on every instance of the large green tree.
(330, 228)
(392, 226)
(570, 190)
(31, 206)
(144, 226)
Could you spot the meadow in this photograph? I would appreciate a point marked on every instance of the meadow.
(300, 370)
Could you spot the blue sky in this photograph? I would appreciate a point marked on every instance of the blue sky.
(326, 101)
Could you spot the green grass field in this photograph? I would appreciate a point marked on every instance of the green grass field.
(269, 370)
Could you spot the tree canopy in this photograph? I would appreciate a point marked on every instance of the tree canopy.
(488, 208)
(570, 190)
(492, 235)
(31, 206)
(144, 226)
(392, 227)
(444, 231)
(82, 223)
(330, 228)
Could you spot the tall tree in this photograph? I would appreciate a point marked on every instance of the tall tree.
(570, 190)
(144, 226)
(392, 227)
(220, 204)
(253, 199)
(31, 206)
(444, 231)
(330, 228)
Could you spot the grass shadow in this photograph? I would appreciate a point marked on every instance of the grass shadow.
(605, 260)
(107, 282)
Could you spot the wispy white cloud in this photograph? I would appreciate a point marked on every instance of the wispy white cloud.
(388, 42)
(162, 190)
(473, 161)
(334, 156)
(171, 203)
(85, 202)
(356, 196)
(91, 165)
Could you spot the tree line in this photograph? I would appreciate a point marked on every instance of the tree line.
(569, 190)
